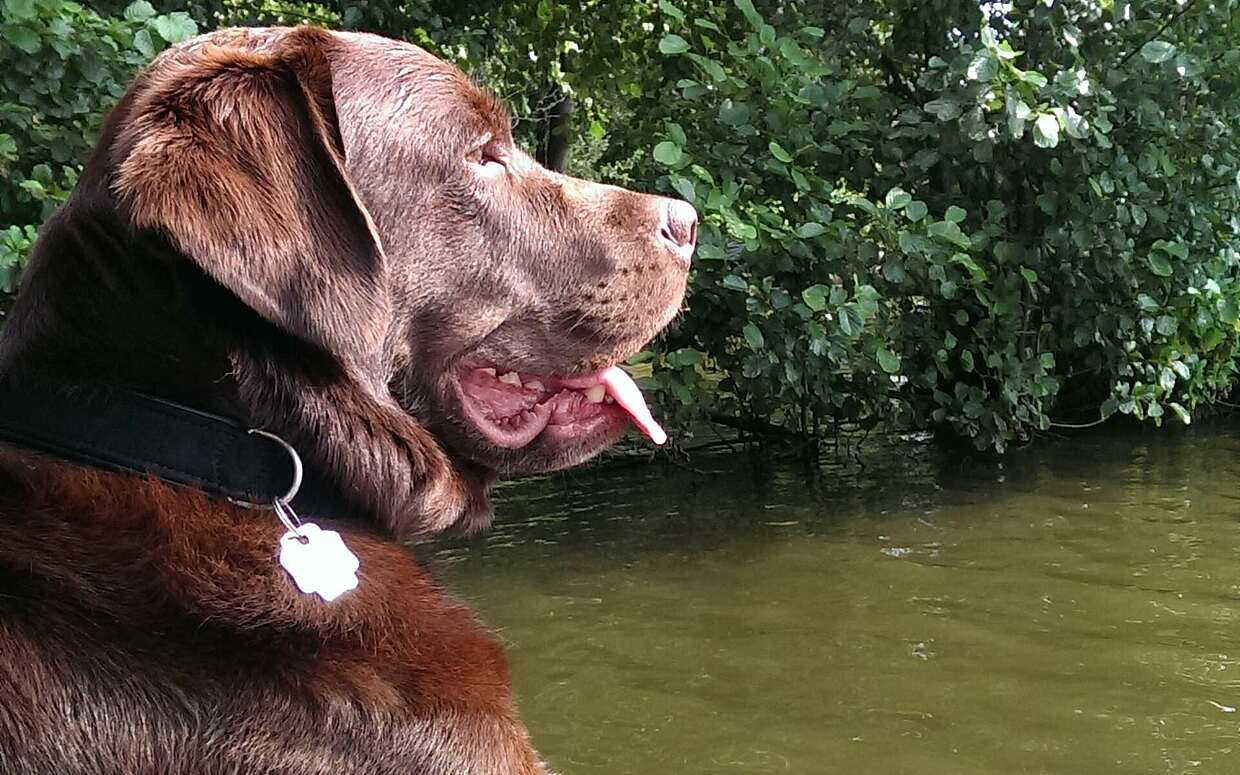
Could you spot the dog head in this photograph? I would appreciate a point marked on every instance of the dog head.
(430, 307)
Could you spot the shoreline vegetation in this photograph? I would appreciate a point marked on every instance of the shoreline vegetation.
(987, 222)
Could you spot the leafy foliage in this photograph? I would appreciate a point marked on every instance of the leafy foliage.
(956, 216)
(64, 65)
(974, 217)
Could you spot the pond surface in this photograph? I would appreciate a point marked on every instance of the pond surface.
(1073, 609)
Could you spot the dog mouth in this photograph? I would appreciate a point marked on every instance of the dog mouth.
(511, 408)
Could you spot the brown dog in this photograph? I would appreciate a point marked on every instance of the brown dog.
(331, 237)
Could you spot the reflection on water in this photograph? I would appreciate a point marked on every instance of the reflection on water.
(1073, 609)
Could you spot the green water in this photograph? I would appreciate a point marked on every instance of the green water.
(1074, 609)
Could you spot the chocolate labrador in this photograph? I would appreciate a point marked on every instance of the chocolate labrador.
(328, 244)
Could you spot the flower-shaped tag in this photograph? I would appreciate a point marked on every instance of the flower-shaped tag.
(318, 561)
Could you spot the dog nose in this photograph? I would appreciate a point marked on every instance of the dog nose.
(678, 228)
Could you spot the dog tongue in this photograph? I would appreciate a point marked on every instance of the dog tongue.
(621, 387)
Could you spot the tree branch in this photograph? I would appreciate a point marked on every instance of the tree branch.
(1078, 426)
(1170, 21)
(756, 427)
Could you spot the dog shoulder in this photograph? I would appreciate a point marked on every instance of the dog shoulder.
(136, 610)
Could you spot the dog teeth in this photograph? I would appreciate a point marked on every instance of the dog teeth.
(511, 378)
(609, 400)
(596, 394)
(488, 371)
(535, 385)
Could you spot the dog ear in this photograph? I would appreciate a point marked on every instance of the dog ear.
(235, 155)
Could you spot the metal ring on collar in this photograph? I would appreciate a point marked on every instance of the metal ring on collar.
(298, 472)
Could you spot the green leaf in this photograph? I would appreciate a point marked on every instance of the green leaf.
(949, 232)
(778, 152)
(972, 266)
(735, 283)
(143, 43)
(175, 27)
(984, 67)
(845, 322)
(750, 13)
(1166, 325)
(1166, 379)
(23, 38)
(1160, 265)
(1157, 51)
(1228, 310)
(685, 188)
(671, 10)
(734, 114)
(668, 153)
(815, 297)
(810, 230)
(1037, 80)
(139, 11)
(1075, 124)
(712, 68)
(955, 214)
(20, 10)
(43, 174)
(1018, 113)
(1181, 413)
(673, 44)
(944, 109)
(686, 356)
(1177, 249)
(34, 188)
(916, 210)
(753, 335)
(1046, 131)
(895, 272)
(898, 199)
(744, 230)
(966, 360)
(888, 361)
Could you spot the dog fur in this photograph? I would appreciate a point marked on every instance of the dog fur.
(281, 226)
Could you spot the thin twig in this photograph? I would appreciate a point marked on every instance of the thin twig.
(1079, 426)
(1174, 18)
(757, 427)
(729, 443)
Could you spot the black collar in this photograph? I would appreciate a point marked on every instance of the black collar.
(121, 430)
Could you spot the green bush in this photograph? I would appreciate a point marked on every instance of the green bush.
(64, 65)
(950, 219)
(982, 218)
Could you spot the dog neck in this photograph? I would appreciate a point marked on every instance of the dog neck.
(128, 432)
(103, 305)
